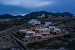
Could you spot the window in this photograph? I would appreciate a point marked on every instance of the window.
(42, 31)
(31, 34)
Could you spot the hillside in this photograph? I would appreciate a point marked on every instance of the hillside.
(4, 16)
(39, 13)
(36, 14)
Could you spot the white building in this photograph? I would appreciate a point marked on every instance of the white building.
(23, 31)
(43, 15)
(54, 29)
(42, 32)
(29, 34)
(57, 30)
(51, 28)
(47, 23)
(34, 22)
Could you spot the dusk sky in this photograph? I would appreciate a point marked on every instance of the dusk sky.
(26, 6)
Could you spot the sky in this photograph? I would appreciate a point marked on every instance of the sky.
(23, 7)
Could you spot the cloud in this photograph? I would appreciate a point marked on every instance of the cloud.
(16, 11)
(22, 14)
(26, 3)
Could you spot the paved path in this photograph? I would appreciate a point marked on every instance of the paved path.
(19, 43)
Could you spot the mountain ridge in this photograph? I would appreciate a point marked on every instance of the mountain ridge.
(36, 14)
